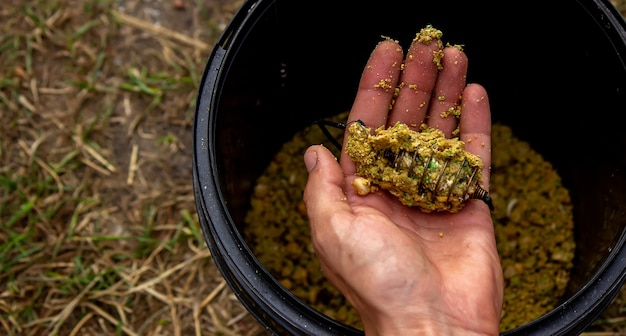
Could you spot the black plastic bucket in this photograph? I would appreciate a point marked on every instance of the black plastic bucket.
(555, 73)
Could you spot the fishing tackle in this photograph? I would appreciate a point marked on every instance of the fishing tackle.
(422, 169)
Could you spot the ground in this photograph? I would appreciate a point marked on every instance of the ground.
(98, 231)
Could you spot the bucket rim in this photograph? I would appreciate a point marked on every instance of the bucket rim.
(277, 308)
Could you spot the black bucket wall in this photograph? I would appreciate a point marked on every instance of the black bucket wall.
(555, 74)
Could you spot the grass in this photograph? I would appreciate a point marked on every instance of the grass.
(98, 231)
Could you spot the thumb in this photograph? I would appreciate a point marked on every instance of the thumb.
(324, 193)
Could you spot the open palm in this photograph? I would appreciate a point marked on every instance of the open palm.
(404, 270)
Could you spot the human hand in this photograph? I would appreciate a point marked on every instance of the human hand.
(405, 271)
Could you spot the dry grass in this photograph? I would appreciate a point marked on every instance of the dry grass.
(98, 231)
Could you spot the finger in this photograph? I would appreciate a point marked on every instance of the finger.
(448, 90)
(376, 90)
(326, 207)
(475, 126)
(324, 195)
(377, 84)
(418, 79)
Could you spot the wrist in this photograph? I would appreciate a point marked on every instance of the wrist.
(427, 325)
(424, 328)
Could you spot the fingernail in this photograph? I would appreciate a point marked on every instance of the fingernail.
(310, 159)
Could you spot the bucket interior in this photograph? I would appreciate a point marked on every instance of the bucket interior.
(555, 75)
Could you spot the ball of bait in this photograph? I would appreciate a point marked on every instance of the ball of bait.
(422, 169)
